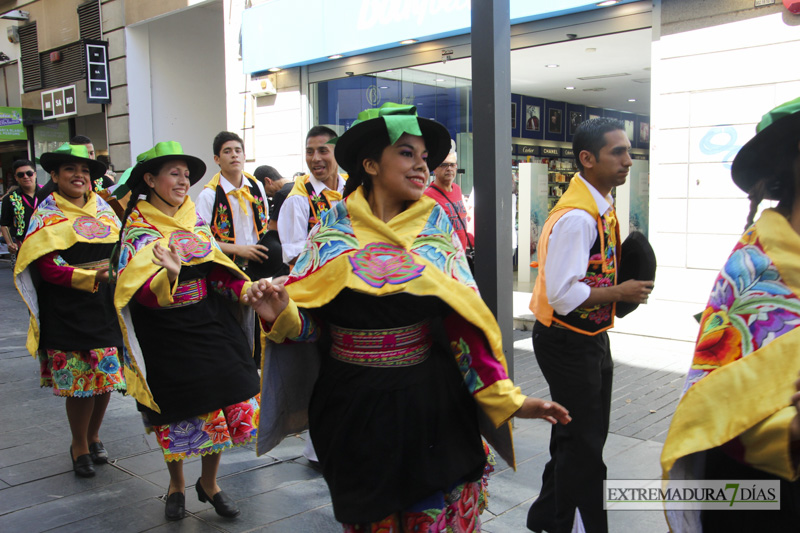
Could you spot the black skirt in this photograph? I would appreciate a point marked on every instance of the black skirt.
(76, 320)
(197, 356)
(389, 437)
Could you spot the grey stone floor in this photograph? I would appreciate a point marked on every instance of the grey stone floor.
(280, 492)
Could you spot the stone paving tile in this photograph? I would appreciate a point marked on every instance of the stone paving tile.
(272, 506)
(279, 491)
(77, 506)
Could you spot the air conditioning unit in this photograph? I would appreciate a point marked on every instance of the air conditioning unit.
(13, 34)
(262, 87)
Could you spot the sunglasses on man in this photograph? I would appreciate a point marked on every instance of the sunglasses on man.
(28, 173)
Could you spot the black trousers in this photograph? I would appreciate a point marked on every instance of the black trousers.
(579, 370)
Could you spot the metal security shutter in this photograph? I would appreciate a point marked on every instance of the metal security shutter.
(70, 69)
(29, 57)
(89, 20)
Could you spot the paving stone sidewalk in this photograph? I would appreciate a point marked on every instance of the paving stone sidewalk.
(281, 492)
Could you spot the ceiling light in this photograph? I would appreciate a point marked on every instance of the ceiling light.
(438, 80)
(335, 56)
(603, 76)
(390, 70)
(408, 41)
(591, 50)
(608, 3)
(383, 87)
(631, 99)
(570, 88)
(551, 65)
(274, 69)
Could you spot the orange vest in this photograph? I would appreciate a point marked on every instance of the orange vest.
(601, 268)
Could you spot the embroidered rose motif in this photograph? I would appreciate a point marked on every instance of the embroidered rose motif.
(90, 228)
(189, 246)
(59, 361)
(381, 263)
(109, 364)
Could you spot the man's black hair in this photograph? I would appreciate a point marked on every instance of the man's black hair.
(590, 136)
(80, 139)
(316, 131)
(266, 171)
(223, 137)
(22, 163)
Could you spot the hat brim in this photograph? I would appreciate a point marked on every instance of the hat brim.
(637, 261)
(196, 168)
(348, 145)
(52, 161)
(764, 155)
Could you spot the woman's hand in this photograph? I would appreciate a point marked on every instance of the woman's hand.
(101, 275)
(267, 299)
(169, 260)
(537, 408)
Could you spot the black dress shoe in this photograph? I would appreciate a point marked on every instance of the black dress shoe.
(223, 505)
(176, 506)
(98, 453)
(82, 466)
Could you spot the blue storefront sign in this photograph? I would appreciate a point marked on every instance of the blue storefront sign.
(287, 33)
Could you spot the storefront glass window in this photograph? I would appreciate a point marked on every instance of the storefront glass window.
(49, 136)
(446, 99)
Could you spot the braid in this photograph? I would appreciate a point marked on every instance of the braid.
(141, 189)
(756, 195)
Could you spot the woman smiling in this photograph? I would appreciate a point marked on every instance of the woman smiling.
(62, 274)
(410, 349)
(191, 368)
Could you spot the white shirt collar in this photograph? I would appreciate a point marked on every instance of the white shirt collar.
(227, 186)
(320, 186)
(603, 203)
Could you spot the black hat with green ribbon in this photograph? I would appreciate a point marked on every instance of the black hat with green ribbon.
(151, 161)
(395, 120)
(771, 153)
(71, 153)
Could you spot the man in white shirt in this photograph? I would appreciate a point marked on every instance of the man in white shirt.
(574, 302)
(312, 195)
(234, 204)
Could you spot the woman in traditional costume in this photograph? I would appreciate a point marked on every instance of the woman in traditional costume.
(62, 274)
(735, 420)
(409, 346)
(191, 366)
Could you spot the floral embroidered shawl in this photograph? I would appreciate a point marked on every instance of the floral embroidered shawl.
(746, 358)
(417, 252)
(145, 227)
(57, 224)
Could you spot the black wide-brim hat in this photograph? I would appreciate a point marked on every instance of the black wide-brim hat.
(393, 120)
(771, 152)
(151, 161)
(72, 153)
(637, 261)
(274, 265)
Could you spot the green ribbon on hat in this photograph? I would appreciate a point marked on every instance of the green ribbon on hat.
(122, 185)
(159, 150)
(399, 119)
(787, 108)
(75, 150)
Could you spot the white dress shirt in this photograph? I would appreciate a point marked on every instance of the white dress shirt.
(293, 219)
(244, 230)
(568, 254)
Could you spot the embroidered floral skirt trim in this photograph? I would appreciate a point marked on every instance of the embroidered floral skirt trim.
(82, 373)
(212, 432)
(457, 511)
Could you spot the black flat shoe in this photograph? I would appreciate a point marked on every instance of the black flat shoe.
(223, 505)
(176, 506)
(98, 453)
(82, 466)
